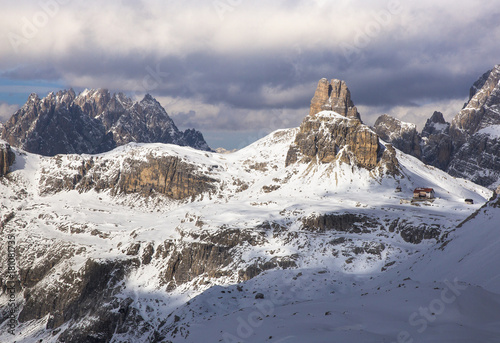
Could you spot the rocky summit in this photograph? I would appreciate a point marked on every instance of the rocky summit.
(156, 243)
(482, 110)
(468, 147)
(475, 133)
(92, 122)
(436, 142)
(328, 136)
(333, 96)
(402, 135)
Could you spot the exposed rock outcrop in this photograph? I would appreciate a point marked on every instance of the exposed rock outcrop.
(475, 133)
(482, 109)
(333, 96)
(437, 147)
(346, 222)
(328, 136)
(469, 147)
(403, 136)
(194, 260)
(415, 234)
(55, 125)
(166, 175)
(478, 159)
(93, 122)
(7, 158)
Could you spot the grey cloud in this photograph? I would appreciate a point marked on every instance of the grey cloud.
(428, 53)
(6, 111)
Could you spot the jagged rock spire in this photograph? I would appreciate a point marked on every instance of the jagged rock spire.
(333, 96)
(341, 136)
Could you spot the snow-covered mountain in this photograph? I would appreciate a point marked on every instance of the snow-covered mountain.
(402, 135)
(92, 122)
(475, 132)
(299, 237)
(468, 147)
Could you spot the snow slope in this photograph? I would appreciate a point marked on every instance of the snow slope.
(337, 291)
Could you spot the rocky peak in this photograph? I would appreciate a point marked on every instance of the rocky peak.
(436, 144)
(483, 107)
(149, 97)
(93, 101)
(402, 135)
(92, 122)
(435, 124)
(337, 133)
(437, 117)
(474, 133)
(55, 125)
(33, 97)
(333, 96)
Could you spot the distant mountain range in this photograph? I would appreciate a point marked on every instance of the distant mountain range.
(92, 122)
(468, 147)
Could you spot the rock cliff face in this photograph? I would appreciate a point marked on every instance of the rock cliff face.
(403, 136)
(328, 136)
(333, 96)
(94, 121)
(478, 159)
(149, 176)
(56, 125)
(436, 142)
(466, 148)
(7, 158)
(482, 109)
(475, 133)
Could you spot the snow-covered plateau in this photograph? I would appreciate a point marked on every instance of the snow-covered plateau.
(239, 248)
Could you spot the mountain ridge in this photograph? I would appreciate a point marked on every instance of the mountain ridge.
(467, 147)
(156, 242)
(93, 121)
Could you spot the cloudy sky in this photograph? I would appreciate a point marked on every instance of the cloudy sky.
(238, 69)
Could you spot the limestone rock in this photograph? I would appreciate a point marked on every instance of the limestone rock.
(323, 135)
(54, 125)
(145, 121)
(7, 158)
(436, 124)
(327, 137)
(478, 160)
(167, 175)
(437, 147)
(333, 96)
(475, 133)
(92, 122)
(337, 133)
(482, 109)
(199, 258)
(403, 136)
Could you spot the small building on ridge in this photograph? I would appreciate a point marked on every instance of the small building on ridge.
(424, 193)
